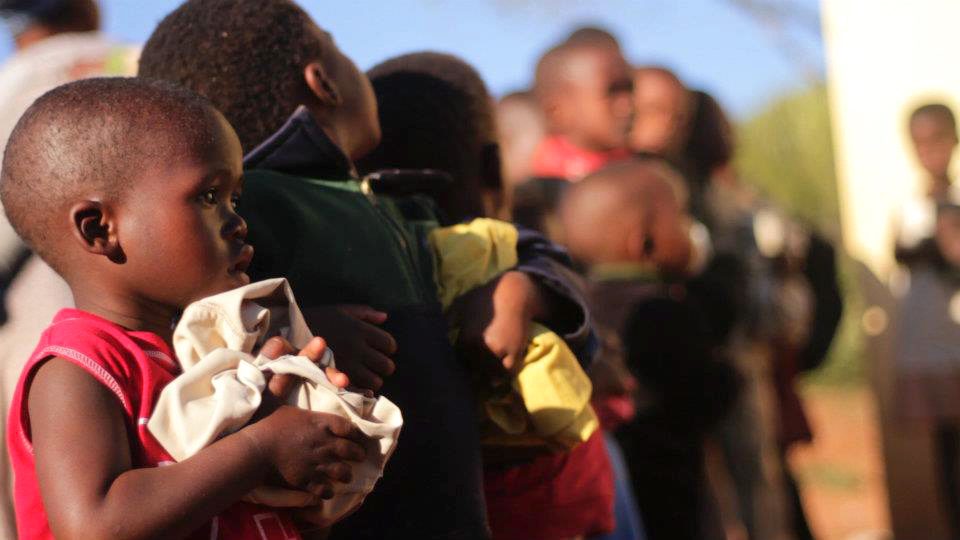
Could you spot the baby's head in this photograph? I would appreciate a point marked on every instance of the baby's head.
(127, 187)
(629, 212)
(436, 113)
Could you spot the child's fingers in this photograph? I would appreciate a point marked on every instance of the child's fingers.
(379, 363)
(380, 340)
(338, 472)
(337, 377)
(276, 347)
(321, 489)
(364, 313)
(282, 385)
(314, 349)
(348, 450)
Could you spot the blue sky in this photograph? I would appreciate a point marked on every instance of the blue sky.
(713, 44)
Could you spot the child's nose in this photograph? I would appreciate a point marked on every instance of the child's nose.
(236, 227)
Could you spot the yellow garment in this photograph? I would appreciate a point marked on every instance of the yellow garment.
(472, 254)
(548, 402)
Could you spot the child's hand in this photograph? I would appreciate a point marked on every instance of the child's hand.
(308, 450)
(495, 319)
(280, 386)
(362, 348)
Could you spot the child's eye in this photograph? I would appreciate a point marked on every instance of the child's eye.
(235, 200)
(209, 196)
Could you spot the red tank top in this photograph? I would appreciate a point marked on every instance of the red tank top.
(135, 366)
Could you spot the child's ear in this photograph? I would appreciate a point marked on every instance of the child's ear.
(321, 85)
(640, 246)
(95, 229)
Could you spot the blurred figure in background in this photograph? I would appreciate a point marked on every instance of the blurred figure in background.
(520, 128)
(530, 200)
(730, 291)
(927, 389)
(56, 41)
(585, 90)
(628, 224)
(781, 278)
(933, 132)
(582, 87)
(663, 113)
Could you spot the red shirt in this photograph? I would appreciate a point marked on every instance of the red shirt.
(555, 496)
(557, 157)
(135, 366)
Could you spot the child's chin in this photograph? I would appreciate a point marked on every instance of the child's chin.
(239, 279)
(233, 280)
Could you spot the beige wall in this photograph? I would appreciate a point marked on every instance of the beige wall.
(883, 56)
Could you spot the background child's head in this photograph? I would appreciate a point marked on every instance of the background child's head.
(630, 212)
(585, 90)
(520, 128)
(257, 61)
(662, 113)
(126, 186)
(436, 113)
(30, 20)
(933, 131)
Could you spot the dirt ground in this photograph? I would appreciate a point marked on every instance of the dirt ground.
(841, 472)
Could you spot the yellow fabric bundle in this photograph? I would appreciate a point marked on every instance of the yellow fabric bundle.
(548, 402)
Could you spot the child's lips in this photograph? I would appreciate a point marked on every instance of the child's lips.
(242, 260)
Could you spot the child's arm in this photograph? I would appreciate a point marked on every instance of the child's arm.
(497, 317)
(90, 489)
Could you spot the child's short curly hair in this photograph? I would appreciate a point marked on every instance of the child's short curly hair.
(91, 139)
(246, 56)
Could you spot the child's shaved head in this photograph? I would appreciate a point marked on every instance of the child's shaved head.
(616, 215)
(90, 140)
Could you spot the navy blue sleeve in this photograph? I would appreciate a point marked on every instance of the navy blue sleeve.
(550, 265)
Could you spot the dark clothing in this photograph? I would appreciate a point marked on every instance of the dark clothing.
(820, 269)
(338, 242)
(535, 202)
(685, 391)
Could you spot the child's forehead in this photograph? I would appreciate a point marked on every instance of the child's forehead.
(930, 120)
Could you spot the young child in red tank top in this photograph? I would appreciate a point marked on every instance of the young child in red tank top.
(126, 187)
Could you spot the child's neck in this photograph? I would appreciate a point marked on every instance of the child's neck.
(127, 310)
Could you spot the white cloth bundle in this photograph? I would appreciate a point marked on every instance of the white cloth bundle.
(222, 385)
